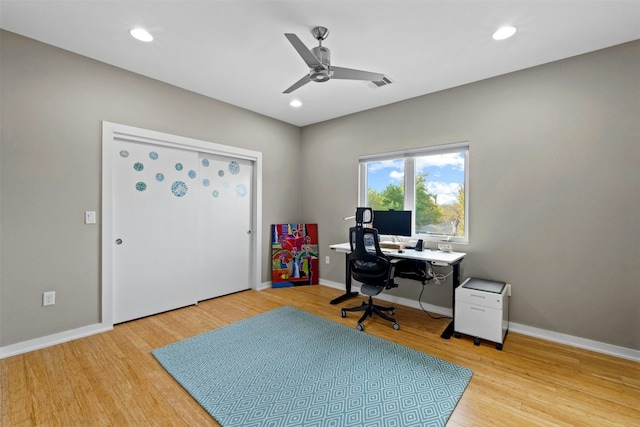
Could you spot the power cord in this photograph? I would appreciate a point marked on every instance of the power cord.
(423, 309)
(423, 272)
(424, 283)
(438, 280)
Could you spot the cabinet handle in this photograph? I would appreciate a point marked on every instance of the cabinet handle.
(478, 296)
(477, 309)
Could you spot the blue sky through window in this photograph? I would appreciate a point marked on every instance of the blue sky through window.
(445, 174)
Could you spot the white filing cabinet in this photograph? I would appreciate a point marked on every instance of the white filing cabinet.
(482, 310)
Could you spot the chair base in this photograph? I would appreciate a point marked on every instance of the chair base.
(369, 310)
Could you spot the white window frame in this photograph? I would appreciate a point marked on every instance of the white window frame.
(409, 156)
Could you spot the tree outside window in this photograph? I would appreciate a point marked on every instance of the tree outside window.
(439, 189)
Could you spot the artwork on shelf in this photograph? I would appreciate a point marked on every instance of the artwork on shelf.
(294, 255)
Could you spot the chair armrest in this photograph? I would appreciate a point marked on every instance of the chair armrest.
(392, 272)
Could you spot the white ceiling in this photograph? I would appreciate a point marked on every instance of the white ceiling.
(236, 52)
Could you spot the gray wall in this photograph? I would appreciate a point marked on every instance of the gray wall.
(554, 187)
(52, 105)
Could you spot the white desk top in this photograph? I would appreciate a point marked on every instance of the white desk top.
(425, 255)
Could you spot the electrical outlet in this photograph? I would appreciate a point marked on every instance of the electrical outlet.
(48, 298)
(445, 247)
(326, 259)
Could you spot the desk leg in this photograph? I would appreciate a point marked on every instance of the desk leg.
(347, 282)
(448, 332)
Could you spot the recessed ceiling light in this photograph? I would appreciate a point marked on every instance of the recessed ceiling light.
(140, 34)
(295, 103)
(504, 33)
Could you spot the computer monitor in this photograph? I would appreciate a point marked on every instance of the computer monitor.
(392, 223)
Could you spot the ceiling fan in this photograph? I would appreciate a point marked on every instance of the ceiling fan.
(318, 60)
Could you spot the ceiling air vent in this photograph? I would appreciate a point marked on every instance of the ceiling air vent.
(385, 81)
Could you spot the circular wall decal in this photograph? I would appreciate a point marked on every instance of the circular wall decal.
(241, 190)
(234, 167)
(141, 186)
(138, 166)
(179, 188)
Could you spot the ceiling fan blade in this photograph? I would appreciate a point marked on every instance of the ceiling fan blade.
(308, 56)
(303, 81)
(350, 74)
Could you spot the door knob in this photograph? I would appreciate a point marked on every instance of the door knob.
(248, 231)
(118, 241)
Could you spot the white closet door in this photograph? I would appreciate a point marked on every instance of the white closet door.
(155, 205)
(224, 235)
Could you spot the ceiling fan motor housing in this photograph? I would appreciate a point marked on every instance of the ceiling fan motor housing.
(321, 74)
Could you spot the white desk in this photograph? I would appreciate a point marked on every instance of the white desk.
(448, 258)
(436, 257)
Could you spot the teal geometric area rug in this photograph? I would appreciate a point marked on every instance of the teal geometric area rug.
(287, 367)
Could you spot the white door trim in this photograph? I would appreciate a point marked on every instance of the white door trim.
(114, 131)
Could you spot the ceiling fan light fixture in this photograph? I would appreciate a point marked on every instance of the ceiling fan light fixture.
(295, 103)
(504, 32)
(320, 75)
(141, 34)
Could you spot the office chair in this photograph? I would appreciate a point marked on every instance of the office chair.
(370, 266)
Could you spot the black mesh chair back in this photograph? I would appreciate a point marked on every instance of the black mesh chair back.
(368, 263)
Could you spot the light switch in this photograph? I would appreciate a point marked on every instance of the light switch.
(90, 217)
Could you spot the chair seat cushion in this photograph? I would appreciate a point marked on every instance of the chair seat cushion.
(371, 290)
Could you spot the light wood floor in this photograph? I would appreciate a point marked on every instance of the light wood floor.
(112, 379)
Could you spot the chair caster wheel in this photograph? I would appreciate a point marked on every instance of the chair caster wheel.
(396, 326)
(360, 327)
(343, 313)
(392, 312)
(476, 341)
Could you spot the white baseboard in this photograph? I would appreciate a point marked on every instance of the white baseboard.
(599, 347)
(61, 337)
(264, 285)
(570, 340)
(49, 340)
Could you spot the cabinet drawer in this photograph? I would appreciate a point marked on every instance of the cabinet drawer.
(485, 299)
(479, 321)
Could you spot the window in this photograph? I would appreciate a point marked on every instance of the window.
(431, 182)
